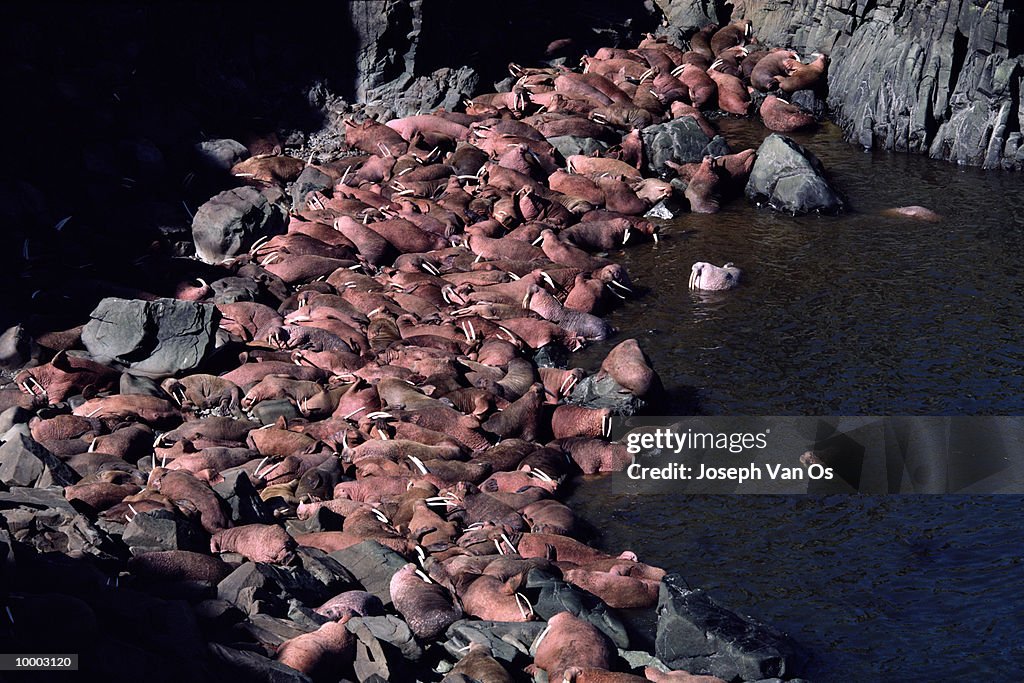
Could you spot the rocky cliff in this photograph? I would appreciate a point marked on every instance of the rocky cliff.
(940, 78)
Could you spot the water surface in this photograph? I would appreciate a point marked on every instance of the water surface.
(859, 314)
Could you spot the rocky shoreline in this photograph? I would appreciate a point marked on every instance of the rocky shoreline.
(321, 433)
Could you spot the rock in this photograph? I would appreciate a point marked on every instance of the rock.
(680, 140)
(162, 530)
(325, 569)
(26, 462)
(668, 209)
(683, 18)
(231, 221)
(549, 596)
(568, 145)
(271, 631)
(255, 587)
(373, 565)
(509, 642)
(15, 415)
(242, 498)
(245, 665)
(390, 629)
(47, 499)
(151, 338)
(222, 154)
(312, 179)
(698, 635)
(790, 178)
(604, 392)
(445, 87)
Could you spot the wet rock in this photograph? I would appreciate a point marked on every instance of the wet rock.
(234, 664)
(698, 635)
(325, 569)
(139, 386)
(373, 565)
(569, 145)
(151, 338)
(311, 179)
(222, 154)
(668, 209)
(26, 462)
(549, 596)
(790, 178)
(162, 530)
(268, 412)
(255, 587)
(509, 642)
(228, 224)
(14, 415)
(598, 392)
(681, 141)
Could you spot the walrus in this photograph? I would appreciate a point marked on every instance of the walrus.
(762, 77)
(918, 212)
(736, 33)
(782, 117)
(802, 76)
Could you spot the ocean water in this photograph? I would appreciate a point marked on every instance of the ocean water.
(857, 314)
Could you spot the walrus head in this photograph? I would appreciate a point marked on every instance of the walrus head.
(710, 277)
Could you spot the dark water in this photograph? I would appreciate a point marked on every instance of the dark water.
(859, 314)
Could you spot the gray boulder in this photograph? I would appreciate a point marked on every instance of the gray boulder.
(151, 338)
(696, 634)
(568, 145)
(373, 565)
(681, 141)
(550, 595)
(26, 462)
(312, 179)
(222, 154)
(789, 178)
(162, 530)
(231, 221)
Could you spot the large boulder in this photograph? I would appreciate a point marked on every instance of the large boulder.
(698, 635)
(231, 221)
(221, 155)
(409, 95)
(789, 178)
(156, 338)
(681, 141)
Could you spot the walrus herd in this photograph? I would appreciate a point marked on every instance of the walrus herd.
(397, 378)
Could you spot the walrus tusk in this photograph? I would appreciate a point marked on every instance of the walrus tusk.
(380, 515)
(678, 70)
(620, 286)
(378, 415)
(426, 579)
(511, 547)
(498, 546)
(654, 236)
(430, 269)
(357, 410)
(625, 236)
(537, 241)
(615, 293)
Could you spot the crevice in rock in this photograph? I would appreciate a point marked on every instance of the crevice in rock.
(724, 10)
(1014, 28)
(957, 65)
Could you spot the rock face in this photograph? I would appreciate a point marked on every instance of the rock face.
(789, 178)
(151, 338)
(229, 223)
(940, 78)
